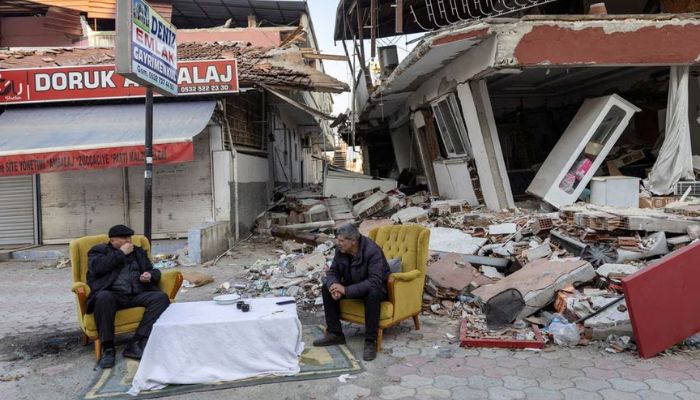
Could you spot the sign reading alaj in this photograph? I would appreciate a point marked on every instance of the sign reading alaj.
(146, 49)
(99, 82)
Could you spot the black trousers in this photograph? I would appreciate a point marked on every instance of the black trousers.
(372, 301)
(107, 304)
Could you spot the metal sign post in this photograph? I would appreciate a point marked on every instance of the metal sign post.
(146, 49)
(148, 174)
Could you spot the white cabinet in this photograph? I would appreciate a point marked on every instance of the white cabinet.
(581, 149)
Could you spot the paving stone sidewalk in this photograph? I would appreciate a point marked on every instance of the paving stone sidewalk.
(41, 358)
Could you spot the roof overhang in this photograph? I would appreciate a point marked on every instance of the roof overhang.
(208, 13)
(542, 41)
(97, 137)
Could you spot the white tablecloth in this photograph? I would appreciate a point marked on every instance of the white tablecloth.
(202, 342)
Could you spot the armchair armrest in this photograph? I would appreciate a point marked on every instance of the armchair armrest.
(405, 276)
(406, 293)
(170, 282)
(82, 291)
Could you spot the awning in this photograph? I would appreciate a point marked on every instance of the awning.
(50, 139)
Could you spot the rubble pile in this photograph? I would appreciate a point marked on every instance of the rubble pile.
(567, 266)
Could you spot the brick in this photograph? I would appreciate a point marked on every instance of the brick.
(611, 394)
(500, 393)
(415, 381)
(577, 394)
(542, 394)
(590, 385)
(627, 385)
(468, 393)
(658, 385)
(430, 392)
(396, 392)
(351, 392)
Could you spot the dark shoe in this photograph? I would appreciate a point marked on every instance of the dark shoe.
(107, 358)
(370, 352)
(329, 339)
(133, 350)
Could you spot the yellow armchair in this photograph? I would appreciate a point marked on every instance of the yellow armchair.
(126, 320)
(410, 243)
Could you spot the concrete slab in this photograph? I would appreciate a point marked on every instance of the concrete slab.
(410, 214)
(367, 225)
(539, 281)
(451, 273)
(451, 240)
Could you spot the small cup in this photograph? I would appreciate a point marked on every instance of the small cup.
(245, 307)
(239, 304)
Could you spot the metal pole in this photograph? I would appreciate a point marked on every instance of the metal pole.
(148, 174)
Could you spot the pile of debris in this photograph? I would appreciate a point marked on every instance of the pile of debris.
(562, 270)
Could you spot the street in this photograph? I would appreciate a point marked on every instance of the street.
(41, 356)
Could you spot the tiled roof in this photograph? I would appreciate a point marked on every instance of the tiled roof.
(278, 68)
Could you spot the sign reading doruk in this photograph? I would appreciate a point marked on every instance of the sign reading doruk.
(96, 82)
(146, 47)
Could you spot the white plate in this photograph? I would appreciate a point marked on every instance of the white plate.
(225, 299)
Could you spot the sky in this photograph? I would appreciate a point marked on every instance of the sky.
(323, 19)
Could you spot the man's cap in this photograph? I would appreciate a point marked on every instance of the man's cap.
(120, 231)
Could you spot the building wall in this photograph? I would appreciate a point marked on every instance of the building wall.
(80, 203)
(30, 32)
(264, 37)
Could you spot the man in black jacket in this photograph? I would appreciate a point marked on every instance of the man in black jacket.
(120, 275)
(359, 271)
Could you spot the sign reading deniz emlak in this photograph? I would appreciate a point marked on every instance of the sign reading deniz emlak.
(146, 48)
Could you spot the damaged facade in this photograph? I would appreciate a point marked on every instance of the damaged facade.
(273, 130)
(594, 117)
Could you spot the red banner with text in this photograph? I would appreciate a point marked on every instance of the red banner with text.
(111, 157)
(98, 82)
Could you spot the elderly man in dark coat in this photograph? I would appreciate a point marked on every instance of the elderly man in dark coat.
(359, 271)
(120, 275)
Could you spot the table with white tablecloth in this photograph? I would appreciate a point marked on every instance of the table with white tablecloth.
(204, 342)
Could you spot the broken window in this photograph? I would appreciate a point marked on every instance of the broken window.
(451, 126)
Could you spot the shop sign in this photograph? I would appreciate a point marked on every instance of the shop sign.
(99, 82)
(82, 159)
(146, 47)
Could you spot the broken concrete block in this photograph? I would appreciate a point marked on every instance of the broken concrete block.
(452, 275)
(410, 214)
(541, 251)
(619, 270)
(393, 205)
(317, 213)
(503, 229)
(290, 246)
(309, 264)
(371, 205)
(451, 240)
(613, 321)
(491, 272)
(539, 281)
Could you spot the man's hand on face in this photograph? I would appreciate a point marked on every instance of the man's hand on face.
(337, 291)
(127, 248)
(145, 277)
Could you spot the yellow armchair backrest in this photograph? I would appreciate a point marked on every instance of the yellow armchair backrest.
(79, 249)
(410, 242)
